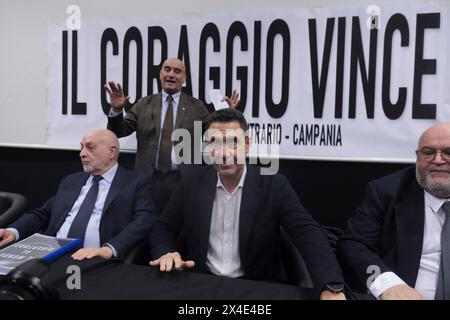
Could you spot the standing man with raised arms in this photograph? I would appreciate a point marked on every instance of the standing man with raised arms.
(154, 118)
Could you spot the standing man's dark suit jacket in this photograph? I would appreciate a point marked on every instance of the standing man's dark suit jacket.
(386, 231)
(145, 118)
(127, 214)
(268, 202)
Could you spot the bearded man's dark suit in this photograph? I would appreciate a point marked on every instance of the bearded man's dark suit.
(386, 231)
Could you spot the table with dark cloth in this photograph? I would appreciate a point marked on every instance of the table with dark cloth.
(114, 279)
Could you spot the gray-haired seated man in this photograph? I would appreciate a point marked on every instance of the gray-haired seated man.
(106, 206)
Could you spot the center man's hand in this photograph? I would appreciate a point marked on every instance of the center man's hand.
(171, 261)
(328, 295)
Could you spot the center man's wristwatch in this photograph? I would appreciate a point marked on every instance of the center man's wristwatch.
(334, 287)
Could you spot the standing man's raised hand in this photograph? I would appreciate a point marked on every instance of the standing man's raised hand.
(118, 98)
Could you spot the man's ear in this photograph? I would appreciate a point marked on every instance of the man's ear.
(247, 142)
(113, 151)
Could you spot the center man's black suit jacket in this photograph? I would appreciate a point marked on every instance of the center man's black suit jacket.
(386, 231)
(127, 213)
(268, 202)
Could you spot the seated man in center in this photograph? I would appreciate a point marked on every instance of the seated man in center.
(230, 216)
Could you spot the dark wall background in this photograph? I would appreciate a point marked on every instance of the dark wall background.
(330, 190)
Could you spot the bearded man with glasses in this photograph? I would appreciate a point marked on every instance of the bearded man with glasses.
(397, 244)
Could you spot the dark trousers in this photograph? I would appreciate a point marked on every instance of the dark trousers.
(164, 185)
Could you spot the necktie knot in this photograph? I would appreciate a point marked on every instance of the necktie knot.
(169, 99)
(97, 178)
(446, 209)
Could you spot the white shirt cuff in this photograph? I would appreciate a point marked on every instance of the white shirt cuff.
(383, 282)
(16, 233)
(113, 113)
(115, 253)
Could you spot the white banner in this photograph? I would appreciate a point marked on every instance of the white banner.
(347, 82)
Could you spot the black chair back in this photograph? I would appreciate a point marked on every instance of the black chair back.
(12, 206)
